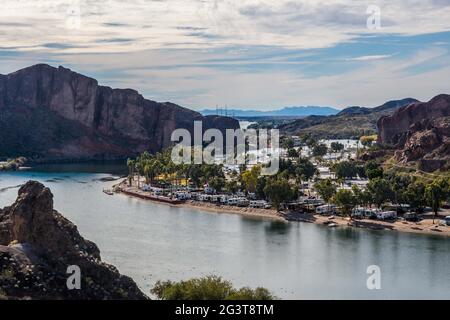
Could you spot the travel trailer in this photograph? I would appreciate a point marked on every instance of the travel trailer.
(385, 215)
(326, 209)
(259, 204)
(182, 195)
(158, 191)
(242, 202)
(232, 201)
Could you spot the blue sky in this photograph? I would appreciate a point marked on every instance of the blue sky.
(254, 54)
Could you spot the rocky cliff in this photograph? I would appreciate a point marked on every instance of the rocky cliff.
(49, 113)
(420, 132)
(37, 245)
(392, 129)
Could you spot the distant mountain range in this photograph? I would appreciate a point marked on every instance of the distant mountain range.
(302, 111)
(351, 122)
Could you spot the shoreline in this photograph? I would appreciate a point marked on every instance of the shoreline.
(424, 227)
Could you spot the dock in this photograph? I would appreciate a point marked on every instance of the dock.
(147, 196)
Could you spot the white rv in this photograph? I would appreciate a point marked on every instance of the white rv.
(385, 215)
(258, 204)
(243, 202)
(326, 209)
(232, 201)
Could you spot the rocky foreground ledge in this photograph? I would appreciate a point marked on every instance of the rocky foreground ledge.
(38, 245)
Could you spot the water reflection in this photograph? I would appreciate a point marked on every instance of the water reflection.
(149, 242)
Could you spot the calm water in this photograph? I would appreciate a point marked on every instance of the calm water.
(149, 242)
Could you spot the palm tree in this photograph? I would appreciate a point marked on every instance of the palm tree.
(131, 164)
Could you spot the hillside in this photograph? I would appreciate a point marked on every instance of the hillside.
(351, 122)
(420, 132)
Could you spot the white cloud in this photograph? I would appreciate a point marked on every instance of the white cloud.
(370, 57)
(183, 50)
(123, 26)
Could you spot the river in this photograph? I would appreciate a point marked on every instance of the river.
(151, 242)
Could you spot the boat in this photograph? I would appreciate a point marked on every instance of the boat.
(108, 192)
(332, 225)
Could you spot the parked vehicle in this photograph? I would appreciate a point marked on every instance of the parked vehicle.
(411, 216)
(182, 195)
(204, 197)
(258, 204)
(232, 201)
(223, 199)
(209, 190)
(386, 215)
(359, 213)
(372, 213)
(243, 202)
(158, 191)
(447, 220)
(326, 209)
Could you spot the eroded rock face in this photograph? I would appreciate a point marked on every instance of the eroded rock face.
(421, 133)
(37, 244)
(54, 113)
(394, 128)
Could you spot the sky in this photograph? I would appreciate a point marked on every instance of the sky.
(248, 54)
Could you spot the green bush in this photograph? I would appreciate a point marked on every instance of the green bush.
(207, 288)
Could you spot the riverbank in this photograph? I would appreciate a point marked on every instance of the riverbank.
(425, 226)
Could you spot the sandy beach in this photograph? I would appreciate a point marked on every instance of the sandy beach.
(425, 226)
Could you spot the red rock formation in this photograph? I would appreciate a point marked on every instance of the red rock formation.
(54, 113)
(392, 129)
(420, 132)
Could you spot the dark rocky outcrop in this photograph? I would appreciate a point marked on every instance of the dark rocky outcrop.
(49, 113)
(37, 244)
(420, 132)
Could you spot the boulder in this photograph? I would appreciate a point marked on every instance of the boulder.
(37, 245)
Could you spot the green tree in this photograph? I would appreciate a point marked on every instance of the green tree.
(305, 169)
(326, 189)
(131, 164)
(373, 170)
(345, 170)
(436, 193)
(279, 191)
(380, 191)
(250, 178)
(415, 196)
(292, 153)
(320, 150)
(262, 182)
(346, 200)
(336, 147)
(232, 185)
(207, 288)
(288, 143)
